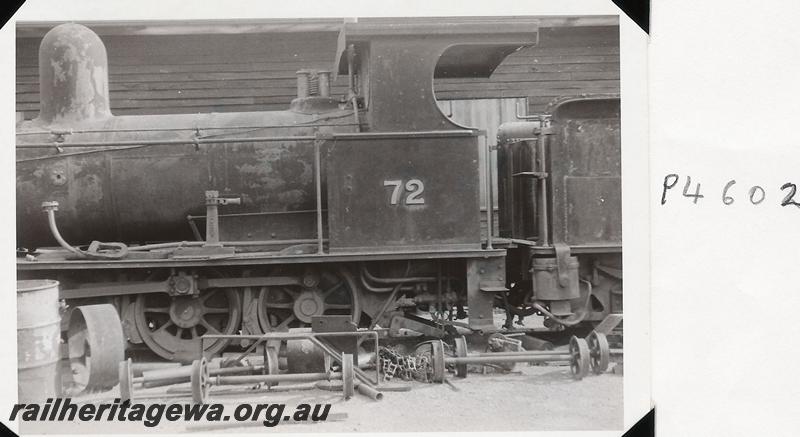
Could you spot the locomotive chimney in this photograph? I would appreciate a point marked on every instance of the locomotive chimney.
(73, 76)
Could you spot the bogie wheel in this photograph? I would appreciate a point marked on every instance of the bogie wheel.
(348, 376)
(96, 346)
(461, 351)
(171, 326)
(579, 357)
(599, 352)
(125, 380)
(331, 292)
(200, 381)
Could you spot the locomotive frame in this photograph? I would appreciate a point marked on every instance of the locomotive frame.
(375, 253)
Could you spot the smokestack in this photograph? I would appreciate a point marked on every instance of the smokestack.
(73, 76)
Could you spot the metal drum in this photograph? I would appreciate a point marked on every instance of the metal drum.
(38, 335)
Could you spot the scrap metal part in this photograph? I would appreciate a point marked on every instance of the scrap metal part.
(95, 346)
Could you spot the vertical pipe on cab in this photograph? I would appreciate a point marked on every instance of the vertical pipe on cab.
(489, 200)
(318, 183)
(544, 226)
(351, 55)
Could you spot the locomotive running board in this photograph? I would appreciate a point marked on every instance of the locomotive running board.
(256, 259)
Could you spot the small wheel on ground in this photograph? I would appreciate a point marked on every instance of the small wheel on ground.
(437, 361)
(461, 351)
(599, 352)
(579, 357)
(200, 381)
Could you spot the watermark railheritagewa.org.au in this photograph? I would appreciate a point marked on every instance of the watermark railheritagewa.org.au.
(62, 409)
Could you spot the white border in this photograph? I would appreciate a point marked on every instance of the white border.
(634, 139)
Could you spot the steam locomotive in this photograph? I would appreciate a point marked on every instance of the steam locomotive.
(365, 205)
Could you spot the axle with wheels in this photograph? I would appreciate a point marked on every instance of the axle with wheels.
(581, 356)
(170, 375)
(202, 381)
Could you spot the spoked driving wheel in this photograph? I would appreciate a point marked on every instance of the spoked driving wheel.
(172, 325)
(325, 292)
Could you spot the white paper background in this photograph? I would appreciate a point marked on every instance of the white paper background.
(634, 139)
(726, 283)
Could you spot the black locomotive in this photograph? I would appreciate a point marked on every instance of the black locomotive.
(364, 205)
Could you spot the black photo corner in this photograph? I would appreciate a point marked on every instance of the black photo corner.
(645, 427)
(638, 11)
(4, 431)
(9, 9)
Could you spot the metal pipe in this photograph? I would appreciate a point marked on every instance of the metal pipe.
(569, 322)
(139, 367)
(393, 281)
(188, 141)
(489, 197)
(504, 359)
(515, 354)
(358, 372)
(370, 392)
(183, 373)
(224, 243)
(238, 391)
(351, 54)
(318, 183)
(519, 115)
(198, 141)
(313, 123)
(386, 304)
(544, 226)
(266, 379)
(375, 289)
(314, 337)
(439, 304)
(51, 208)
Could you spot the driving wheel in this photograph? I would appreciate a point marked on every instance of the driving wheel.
(324, 292)
(171, 326)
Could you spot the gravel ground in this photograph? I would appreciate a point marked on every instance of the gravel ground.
(533, 398)
(530, 398)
